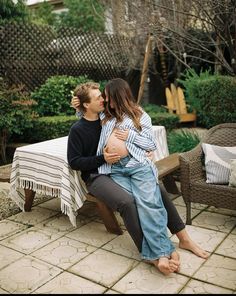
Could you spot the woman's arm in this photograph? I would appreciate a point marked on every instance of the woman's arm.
(144, 139)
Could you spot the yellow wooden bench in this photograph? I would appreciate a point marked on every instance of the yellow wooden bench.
(176, 104)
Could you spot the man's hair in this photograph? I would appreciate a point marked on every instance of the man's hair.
(82, 93)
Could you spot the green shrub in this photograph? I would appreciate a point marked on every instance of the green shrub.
(54, 96)
(46, 128)
(152, 108)
(182, 140)
(15, 113)
(212, 96)
(160, 116)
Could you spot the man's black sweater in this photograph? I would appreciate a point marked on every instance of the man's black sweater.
(82, 147)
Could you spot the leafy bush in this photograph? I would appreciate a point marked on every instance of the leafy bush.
(169, 121)
(15, 112)
(160, 116)
(54, 96)
(182, 140)
(212, 96)
(152, 108)
(46, 128)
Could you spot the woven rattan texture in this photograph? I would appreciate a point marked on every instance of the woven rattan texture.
(193, 178)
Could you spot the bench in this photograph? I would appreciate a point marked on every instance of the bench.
(166, 167)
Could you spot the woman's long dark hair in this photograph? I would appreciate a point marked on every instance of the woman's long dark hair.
(118, 91)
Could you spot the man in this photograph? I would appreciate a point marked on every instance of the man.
(82, 147)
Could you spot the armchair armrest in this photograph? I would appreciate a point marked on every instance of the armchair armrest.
(190, 169)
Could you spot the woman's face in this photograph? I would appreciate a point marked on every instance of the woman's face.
(110, 102)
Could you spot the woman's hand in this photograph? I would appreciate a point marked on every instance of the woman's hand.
(150, 155)
(122, 134)
(75, 103)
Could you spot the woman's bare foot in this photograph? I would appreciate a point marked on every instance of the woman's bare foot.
(175, 261)
(164, 265)
(194, 248)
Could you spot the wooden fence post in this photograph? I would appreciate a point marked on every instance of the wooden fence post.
(145, 68)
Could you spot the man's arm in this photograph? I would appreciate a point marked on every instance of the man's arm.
(78, 161)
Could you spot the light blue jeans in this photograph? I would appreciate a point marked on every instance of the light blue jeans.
(141, 183)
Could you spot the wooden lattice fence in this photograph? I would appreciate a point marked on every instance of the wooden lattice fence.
(29, 54)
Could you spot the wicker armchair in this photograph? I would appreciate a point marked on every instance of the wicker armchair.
(193, 177)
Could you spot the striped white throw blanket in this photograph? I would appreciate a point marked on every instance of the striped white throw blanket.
(43, 168)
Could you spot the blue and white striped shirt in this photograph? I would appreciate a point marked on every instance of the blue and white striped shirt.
(137, 143)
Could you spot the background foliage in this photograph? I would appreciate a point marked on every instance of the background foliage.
(212, 96)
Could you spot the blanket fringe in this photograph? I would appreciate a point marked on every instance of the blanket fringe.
(38, 188)
(67, 210)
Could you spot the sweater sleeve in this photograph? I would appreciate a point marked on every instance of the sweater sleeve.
(76, 159)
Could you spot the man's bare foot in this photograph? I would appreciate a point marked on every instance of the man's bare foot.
(194, 248)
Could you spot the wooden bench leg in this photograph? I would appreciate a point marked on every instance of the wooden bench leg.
(170, 185)
(108, 217)
(29, 198)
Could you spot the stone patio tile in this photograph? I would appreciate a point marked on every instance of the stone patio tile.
(35, 216)
(110, 291)
(8, 228)
(92, 233)
(61, 224)
(182, 212)
(8, 256)
(3, 291)
(103, 267)
(26, 274)
(29, 240)
(197, 287)
(123, 245)
(222, 211)
(146, 279)
(64, 252)
(53, 204)
(118, 218)
(228, 247)
(215, 221)
(205, 238)
(67, 283)
(180, 202)
(233, 231)
(220, 270)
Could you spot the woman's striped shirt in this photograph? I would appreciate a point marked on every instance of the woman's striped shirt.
(137, 143)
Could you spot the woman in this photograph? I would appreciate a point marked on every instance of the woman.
(126, 126)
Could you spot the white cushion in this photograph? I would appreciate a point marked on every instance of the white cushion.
(217, 163)
(232, 177)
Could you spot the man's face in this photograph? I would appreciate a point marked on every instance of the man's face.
(96, 104)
